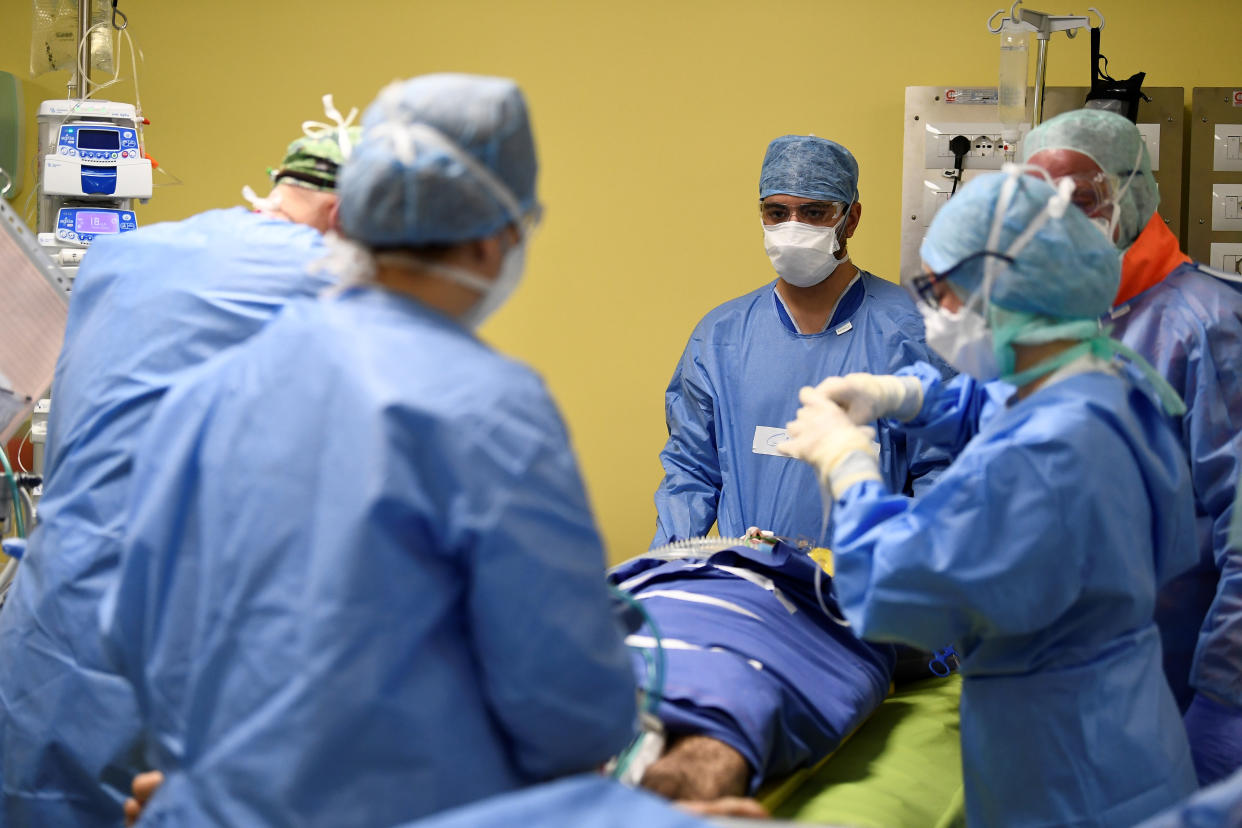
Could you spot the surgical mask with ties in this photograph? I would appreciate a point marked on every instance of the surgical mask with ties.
(493, 292)
(804, 254)
(963, 339)
(499, 291)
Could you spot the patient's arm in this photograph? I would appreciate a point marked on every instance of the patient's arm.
(698, 768)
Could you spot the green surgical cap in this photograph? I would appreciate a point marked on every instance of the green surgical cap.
(1113, 143)
(312, 162)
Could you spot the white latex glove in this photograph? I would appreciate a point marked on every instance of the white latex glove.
(868, 397)
(823, 435)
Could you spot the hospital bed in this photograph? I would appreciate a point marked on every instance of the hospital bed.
(900, 769)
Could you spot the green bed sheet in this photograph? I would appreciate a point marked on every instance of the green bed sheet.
(901, 769)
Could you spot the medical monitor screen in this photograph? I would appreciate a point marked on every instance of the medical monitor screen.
(84, 222)
(99, 139)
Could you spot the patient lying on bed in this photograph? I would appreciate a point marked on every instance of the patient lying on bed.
(762, 676)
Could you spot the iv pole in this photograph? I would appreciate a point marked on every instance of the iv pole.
(1042, 25)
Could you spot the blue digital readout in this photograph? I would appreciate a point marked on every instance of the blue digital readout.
(99, 139)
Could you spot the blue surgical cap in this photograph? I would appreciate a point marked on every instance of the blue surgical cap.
(1068, 270)
(809, 167)
(402, 188)
(1114, 144)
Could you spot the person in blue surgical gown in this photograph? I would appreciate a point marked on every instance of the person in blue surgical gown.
(737, 380)
(1040, 549)
(1186, 319)
(362, 582)
(147, 306)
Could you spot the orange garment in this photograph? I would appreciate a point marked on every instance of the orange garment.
(1154, 255)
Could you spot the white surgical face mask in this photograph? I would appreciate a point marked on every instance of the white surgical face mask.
(804, 254)
(492, 292)
(963, 339)
(495, 295)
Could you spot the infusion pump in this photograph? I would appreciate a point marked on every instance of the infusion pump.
(97, 160)
(92, 166)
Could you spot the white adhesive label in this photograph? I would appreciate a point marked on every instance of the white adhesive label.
(767, 438)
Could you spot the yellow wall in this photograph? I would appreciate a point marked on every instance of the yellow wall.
(651, 117)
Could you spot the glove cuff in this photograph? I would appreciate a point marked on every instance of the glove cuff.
(855, 467)
(911, 398)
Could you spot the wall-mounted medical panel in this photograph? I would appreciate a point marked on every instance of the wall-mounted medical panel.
(935, 115)
(1214, 187)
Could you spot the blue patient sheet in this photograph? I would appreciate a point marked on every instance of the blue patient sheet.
(751, 657)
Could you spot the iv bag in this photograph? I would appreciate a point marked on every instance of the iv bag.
(1013, 66)
(54, 36)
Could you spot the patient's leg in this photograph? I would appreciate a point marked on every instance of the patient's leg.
(698, 768)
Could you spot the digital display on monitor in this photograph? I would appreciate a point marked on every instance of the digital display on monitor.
(90, 222)
(99, 139)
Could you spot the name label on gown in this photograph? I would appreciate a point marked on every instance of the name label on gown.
(767, 438)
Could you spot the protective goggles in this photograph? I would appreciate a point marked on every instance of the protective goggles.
(931, 287)
(1092, 191)
(813, 212)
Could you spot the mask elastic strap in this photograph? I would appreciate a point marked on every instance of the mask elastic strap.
(1125, 188)
(845, 219)
(1054, 209)
(1104, 347)
(318, 129)
(1169, 398)
(264, 205)
(982, 297)
(461, 276)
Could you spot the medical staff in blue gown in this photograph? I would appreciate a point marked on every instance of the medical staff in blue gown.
(1187, 322)
(362, 582)
(736, 384)
(1040, 549)
(147, 306)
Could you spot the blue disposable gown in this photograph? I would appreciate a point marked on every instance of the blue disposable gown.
(742, 370)
(1189, 327)
(1218, 806)
(146, 307)
(1039, 550)
(751, 658)
(362, 582)
(585, 801)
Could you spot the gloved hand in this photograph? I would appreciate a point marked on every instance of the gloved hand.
(824, 436)
(868, 397)
(1215, 731)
